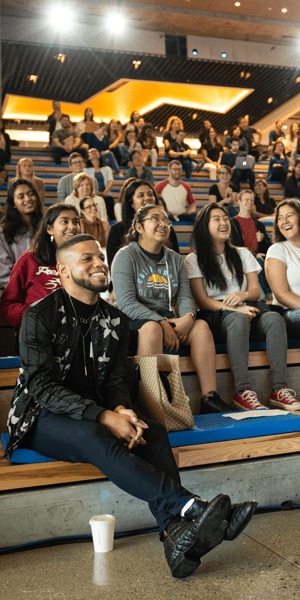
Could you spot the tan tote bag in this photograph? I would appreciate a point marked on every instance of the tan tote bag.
(159, 390)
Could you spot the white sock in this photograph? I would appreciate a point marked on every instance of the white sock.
(187, 506)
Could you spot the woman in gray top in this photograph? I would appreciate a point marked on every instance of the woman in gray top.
(152, 289)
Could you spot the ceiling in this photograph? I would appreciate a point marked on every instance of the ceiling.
(74, 82)
(255, 20)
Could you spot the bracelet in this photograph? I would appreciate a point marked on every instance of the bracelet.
(192, 315)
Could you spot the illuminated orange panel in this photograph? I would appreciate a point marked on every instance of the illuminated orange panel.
(124, 96)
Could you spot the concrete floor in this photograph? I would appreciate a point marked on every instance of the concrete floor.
(262, 564)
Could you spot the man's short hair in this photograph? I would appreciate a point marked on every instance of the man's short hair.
(234, 139)
(180, 131)
(74, 155)
(76, 239)
(174, 162)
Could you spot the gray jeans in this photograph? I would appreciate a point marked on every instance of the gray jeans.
(269, 326)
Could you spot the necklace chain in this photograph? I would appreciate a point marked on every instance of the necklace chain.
(84, 321)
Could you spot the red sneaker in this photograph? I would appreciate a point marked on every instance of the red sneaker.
(284, 398)
(247, 400)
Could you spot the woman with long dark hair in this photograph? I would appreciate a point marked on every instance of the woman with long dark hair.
(137, 193)
(263, 203)
(151, 288)
(225, 287)
(20, 222)
(34, 275)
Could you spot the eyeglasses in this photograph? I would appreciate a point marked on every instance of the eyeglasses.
(77, 162)
(89, 207)
(156, 219)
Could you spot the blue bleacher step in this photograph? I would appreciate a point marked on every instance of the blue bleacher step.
(218, 428)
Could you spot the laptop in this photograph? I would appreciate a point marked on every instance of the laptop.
(245, 162)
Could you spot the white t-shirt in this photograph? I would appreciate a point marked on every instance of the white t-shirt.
(249, 263)
(290, 256)
(176, 198)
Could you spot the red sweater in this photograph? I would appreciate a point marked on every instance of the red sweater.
(29, 281)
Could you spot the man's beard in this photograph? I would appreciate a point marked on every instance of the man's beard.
(88, 285)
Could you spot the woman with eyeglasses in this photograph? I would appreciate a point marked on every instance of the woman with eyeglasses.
(135, 193)
(90, 222)
(224, 192)
(224, 284)
(151, 288)
(84, 185)
(282, 264)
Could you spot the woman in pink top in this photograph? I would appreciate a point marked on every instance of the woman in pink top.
(34, 275)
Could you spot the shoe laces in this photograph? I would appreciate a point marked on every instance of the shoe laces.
(251, 398)
(285, 394)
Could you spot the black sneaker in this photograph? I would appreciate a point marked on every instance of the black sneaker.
(212, 403)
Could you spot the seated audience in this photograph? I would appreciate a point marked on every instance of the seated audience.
(135, 194)
(181, 151)
(148, 142)
(253, 137)
(204, 132)
(224, 192)
(34, 275)
(177, 194)
(263, 203)
(5, 153)
(130, 143)
(65, 140)
(83, 185)
(291, 139)
(120, 198)
(212, 153)
(251, 233)
(65, 184)
(87, 125)
(104, 178)
(138, 168)
(292, 182)
(276, 133)
(115, 137)
(90, 222)
(225, 288)
(74, 405)
(235, 132)
(18, 226)
(278, 164)
(99, 139)
(296, 153)
(238, 174)
(150, 281)
(54, 120)
(282, 264)
(25, 170)
(170, 133)
(132, 123)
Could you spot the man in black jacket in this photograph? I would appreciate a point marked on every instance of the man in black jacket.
(72, 403)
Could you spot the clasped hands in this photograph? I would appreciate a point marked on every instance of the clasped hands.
(176, 331)
(233, 302)
(125, 425)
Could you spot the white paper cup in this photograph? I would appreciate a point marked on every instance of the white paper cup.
(103, 528)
